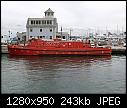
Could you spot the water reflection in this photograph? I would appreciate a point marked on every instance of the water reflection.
(62, 74)
(54, 62)
(57, 63)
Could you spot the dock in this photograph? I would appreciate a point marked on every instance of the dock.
(118, 50)
(4, 49)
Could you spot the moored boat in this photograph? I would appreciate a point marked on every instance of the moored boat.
(57, 47)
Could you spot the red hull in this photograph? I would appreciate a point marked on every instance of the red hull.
(40, 47)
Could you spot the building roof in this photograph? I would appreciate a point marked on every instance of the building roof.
(49, 10)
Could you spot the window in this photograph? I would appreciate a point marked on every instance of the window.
(31, 22)
(36, 22)
(50, 22)
(43, 22)
(39, 22)
(43, 36)
(63, 37)
(40, 36)
(2, 36)
(48, 13)
(30, 30)
(50, 37)
(47, 21)
(50, 30)
(40, 30)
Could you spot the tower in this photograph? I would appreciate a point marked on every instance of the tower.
(49, 13)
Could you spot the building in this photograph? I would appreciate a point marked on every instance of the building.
(6, 39)
(21, 36)
(45, 28)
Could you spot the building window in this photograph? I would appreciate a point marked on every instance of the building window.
(40, 36)
(43, 22)
(30, 30)
(2, 36)
(48, 13)
(36, 22)
(31, 22)
(40, 30)
(43, 36)
(50, 37)
(63, 37)
(50, 21)
(39, 22)
(47, 21)
(50, 30)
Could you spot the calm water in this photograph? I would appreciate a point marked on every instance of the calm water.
(63, 74)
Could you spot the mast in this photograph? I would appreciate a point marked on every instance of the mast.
(61, 32)
(70, 32)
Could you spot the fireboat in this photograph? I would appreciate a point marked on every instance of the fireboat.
(57, 47)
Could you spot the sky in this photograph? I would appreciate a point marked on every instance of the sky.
(79, 16)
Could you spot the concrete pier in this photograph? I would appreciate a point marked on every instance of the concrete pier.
(118, 50)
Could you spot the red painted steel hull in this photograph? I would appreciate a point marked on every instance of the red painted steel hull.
(67, 48)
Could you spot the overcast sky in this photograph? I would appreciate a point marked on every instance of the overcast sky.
(76, 15)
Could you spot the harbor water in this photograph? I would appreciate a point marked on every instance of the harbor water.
(68, 74)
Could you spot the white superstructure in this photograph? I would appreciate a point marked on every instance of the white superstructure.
(44, 28)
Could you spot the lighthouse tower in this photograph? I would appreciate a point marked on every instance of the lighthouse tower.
(49, 13)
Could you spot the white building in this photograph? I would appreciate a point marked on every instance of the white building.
(6, 39)
(45, 27)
